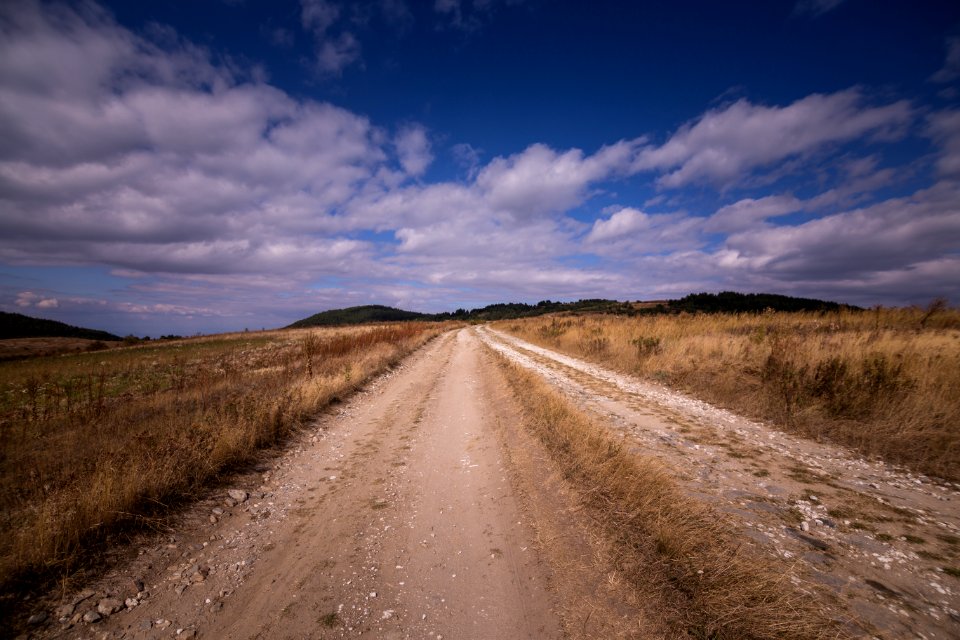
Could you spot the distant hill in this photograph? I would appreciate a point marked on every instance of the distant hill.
(17, 325)
(733, 302)
(724, 302)
(359, 315)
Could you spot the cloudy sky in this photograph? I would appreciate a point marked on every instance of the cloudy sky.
(207, 165)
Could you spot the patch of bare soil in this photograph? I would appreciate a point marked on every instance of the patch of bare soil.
(877, 541)
(20, 348)
(392, 517)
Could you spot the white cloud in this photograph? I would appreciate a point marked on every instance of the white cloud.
(540, 180)
(944, 128)
(336, 54)
(890, 235)
(950, 70)
(468, 157)
(318, 15)
(633, 232)
(207, 189)
(27, 299)
(413, 149)
(750, 213)
(725, 145)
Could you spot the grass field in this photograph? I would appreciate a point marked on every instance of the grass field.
(882, 381)
(91, 442)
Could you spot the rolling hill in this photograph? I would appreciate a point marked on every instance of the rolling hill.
(17, 325)
(726, 301)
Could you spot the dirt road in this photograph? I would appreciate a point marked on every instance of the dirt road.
(872, 538)
(403, 514)
(394, 519)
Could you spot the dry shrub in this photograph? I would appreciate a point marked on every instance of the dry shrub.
(91, 442)
(882, 381)
(711, 585)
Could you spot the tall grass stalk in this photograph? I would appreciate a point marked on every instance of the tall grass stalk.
(90, 442)
(883, 381)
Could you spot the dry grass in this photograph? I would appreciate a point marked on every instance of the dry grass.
(21, 348)
(710, 587)
(883, 382)
(95, 441)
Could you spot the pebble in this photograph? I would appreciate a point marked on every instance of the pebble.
(109, 606)
(65, 611)
(37, 618)
(238, 494)
(91, 616)
(131, 602)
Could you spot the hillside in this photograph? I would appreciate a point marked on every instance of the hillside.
(733, 302)
(726, 301)
(17, 325)
(358, 315)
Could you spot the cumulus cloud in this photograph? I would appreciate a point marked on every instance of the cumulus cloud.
(944, 128)
(27, 299)
(209, 193)
(950, 70)
(336, 54)
(725, 145)
(413, 148)
(630, 231)
(540, 180)
(750, 213)
(888, 236)
(318, 15)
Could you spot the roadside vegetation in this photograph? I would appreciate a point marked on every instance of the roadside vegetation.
(883, 381)
(707, 584)
(90, 443)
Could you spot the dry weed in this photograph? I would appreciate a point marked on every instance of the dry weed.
(711, 587)
(95, 441)
(882, 381)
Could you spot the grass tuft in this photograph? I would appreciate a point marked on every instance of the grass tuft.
(717, 589)
(883, 382)
(92, 442)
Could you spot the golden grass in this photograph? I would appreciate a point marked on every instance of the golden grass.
(710, 587)
(882, 381)
(90, 442)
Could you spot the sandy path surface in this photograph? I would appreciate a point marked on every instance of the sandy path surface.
(870, 538)
(393, 518)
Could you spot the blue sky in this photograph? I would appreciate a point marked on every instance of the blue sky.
(182, 167)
